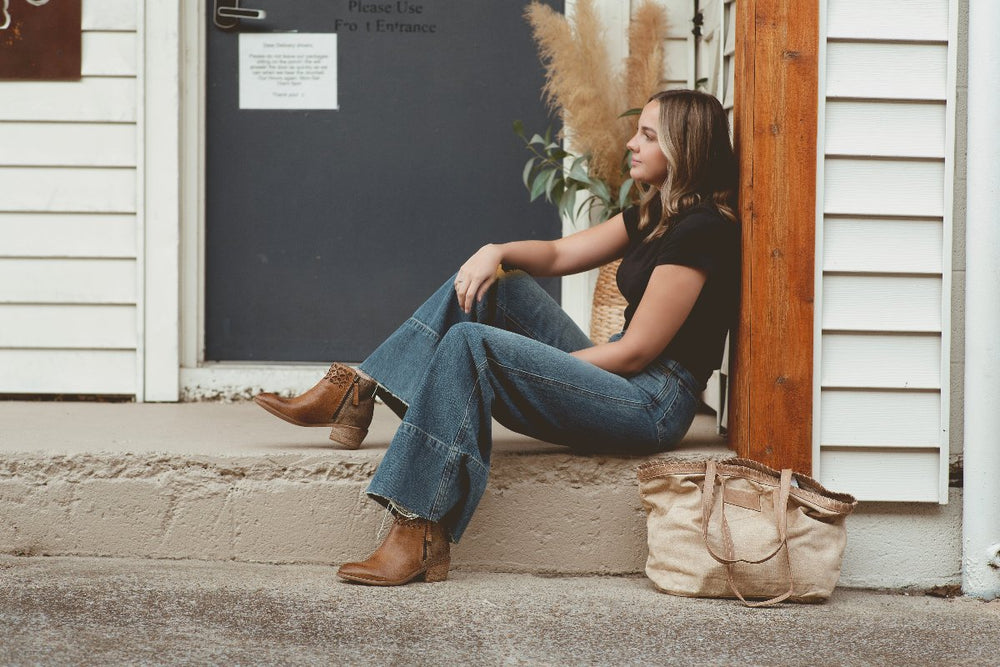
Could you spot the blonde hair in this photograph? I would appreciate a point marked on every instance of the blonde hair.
(693, 134)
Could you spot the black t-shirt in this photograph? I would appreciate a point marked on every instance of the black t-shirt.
(700, 238)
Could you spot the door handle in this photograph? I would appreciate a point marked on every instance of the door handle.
(228, 16)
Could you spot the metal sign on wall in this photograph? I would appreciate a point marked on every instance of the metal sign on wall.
(40, 39)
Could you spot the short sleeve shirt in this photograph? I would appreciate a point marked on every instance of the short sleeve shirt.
(700, 238)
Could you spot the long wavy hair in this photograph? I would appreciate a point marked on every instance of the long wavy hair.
(693, 134)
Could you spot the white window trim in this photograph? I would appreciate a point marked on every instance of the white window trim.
(159, 201)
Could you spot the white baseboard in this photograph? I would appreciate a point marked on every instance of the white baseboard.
(235, 381)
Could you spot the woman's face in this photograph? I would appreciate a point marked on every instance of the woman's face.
(648, 164)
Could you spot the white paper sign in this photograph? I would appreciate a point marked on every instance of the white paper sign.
(288, 70)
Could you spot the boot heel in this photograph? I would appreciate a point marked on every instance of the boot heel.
(437, 572)
(348, 436)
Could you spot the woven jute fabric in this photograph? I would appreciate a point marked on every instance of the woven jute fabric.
(607, 314)
(756, 554)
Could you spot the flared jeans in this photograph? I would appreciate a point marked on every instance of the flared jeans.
(448, 374)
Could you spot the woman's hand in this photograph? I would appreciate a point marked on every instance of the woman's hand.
(477, 275)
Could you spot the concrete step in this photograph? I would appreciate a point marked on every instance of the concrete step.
(226, 481)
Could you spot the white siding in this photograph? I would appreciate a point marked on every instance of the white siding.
(69, 216)
(881, 70)
(859, 127)
(884, 265)
(883, 474)
(882, 418)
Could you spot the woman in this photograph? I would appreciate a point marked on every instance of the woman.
(493, 344)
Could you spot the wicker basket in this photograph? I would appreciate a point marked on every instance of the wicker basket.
(607, 314)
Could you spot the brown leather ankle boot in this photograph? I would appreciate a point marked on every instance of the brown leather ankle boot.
(341, 400)
(413, 547)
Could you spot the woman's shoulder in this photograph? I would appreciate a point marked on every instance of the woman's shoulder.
(706, 218)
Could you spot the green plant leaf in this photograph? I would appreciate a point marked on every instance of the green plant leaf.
(637, 111)
(587, 204)
(624, 190)
(537, 139)
(579, 173)
(528, 166)
(538, 186)
(568, 200)
(549, 184)
(558, 188)
(519, 128)
(600, 190)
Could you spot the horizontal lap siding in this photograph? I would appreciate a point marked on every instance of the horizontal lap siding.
(887, 71)
(69, 287)
(67, 190)
(58, 281)
(68, 144)
(872, 302)
(83, 327)
(880, 418)
(67, 235)
(857, 127)
(882, 366)
(858, 244)
(883, 474)
(77, 371)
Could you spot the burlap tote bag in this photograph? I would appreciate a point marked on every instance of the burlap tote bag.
(738, 528)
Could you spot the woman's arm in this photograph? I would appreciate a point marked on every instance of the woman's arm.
(581, 251)
(666, 303)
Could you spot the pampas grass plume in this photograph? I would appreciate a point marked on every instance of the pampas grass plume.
(581, 85)
(644, 64)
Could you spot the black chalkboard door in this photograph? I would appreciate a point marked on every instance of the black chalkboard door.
(325, 228)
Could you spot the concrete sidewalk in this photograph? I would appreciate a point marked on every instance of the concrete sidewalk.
(95, 611)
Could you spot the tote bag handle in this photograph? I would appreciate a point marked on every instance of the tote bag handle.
(780, 515)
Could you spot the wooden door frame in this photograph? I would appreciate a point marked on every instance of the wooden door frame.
(775, 129)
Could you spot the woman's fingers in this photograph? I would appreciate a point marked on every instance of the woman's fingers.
(470, 295)
(463, 287)
(470, 290)
(481, 292)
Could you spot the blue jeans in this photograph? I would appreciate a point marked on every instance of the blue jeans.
(448, 373)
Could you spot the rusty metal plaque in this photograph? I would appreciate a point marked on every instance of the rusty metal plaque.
(40, 39)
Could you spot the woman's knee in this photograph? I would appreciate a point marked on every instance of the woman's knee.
(463, 333)
(475, 339)
(516, 288)
(515, 280)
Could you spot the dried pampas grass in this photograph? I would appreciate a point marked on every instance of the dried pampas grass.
(582, 86)
(644, 65)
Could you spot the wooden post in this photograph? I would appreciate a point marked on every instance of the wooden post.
(777, 48)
